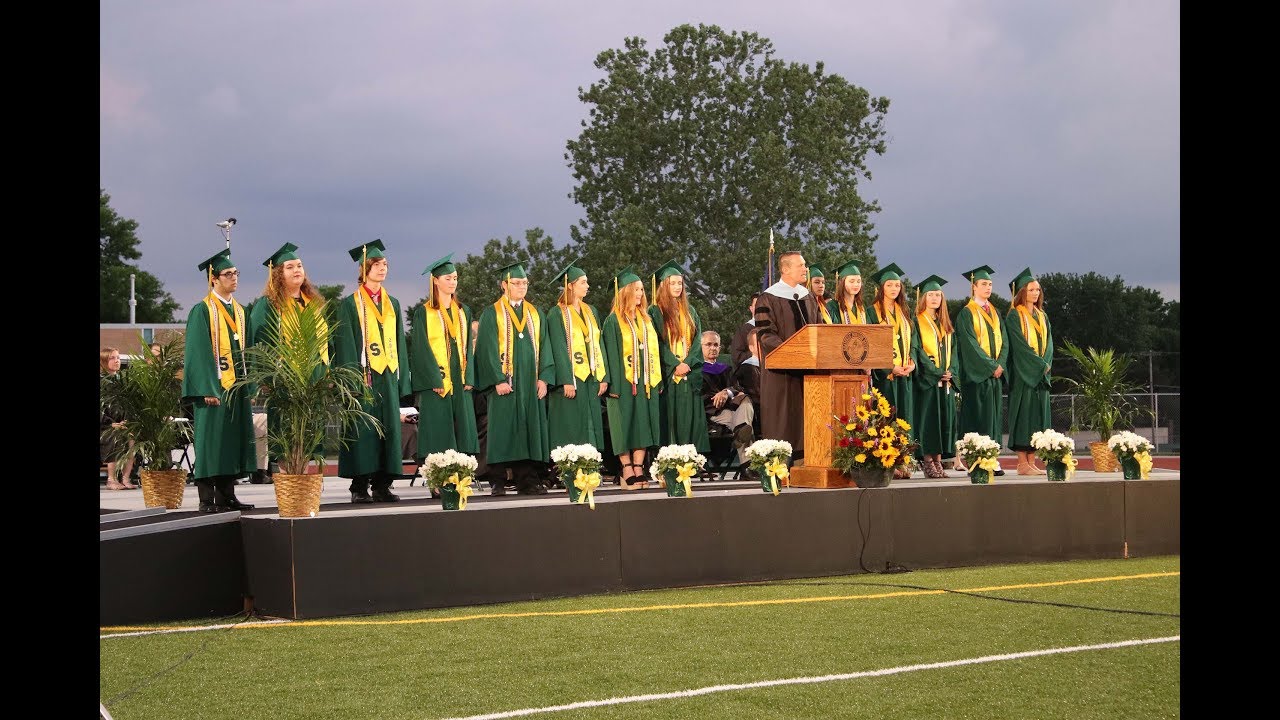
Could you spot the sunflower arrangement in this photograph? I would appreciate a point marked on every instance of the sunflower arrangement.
(872, 437)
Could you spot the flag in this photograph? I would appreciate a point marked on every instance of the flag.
(767, 277)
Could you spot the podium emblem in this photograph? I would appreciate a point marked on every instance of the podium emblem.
(855, 348)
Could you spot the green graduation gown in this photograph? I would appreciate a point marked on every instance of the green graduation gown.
(517, 420)
(223, 433)
(1028, 380)
(981, 394)
(365, 453)
(833, 308)
(900, 392)
(449, 422)
(683, 419)
(578, 420)
(934, 425)
(633, 418)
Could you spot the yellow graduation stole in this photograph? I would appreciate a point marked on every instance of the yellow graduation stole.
(853, 315)
(289, 328)
(680, 345)
(583, 345)
(380, 351)
(826, 314)
(929, 334)
(981, 321)
(453, 327)
(506, 316)
(631, 349)
(222, 328)
(1033, 329)
(901, 333)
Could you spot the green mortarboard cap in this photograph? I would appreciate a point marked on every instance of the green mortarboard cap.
(570, 273)
(443, 266)
(847, 269)
(815, 271)
(218, 262)
(888, 272)
(1021, 279)
(666, 271)
(514, 270)
(368, 250)
(933, 282)
(982, 272)
(284, 254)
(626, 276)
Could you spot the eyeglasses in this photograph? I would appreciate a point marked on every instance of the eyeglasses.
(229, 273)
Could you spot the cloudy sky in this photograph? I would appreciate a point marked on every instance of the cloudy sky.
(1041, 134)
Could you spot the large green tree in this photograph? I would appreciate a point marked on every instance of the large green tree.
(694, 151)
(118, 243)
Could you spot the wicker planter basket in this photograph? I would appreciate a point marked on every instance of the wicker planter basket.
(298, 496)
(163, 488)
(1103, 459)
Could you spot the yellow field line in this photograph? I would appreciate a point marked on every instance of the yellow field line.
(650, 608)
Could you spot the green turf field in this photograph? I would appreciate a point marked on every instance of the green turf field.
(872, 632)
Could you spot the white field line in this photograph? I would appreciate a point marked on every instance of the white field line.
(200, 628)
(813, 679)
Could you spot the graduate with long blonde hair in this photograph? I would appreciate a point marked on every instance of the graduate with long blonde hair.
(684, 420)
(1030, 363)
(937, 367)
(635, 373)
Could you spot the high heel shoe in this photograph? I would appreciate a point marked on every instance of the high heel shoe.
(933, 469)
(641, 481)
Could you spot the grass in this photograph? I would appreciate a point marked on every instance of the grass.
(465, 661)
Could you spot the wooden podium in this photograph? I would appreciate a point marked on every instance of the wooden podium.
(836, 361)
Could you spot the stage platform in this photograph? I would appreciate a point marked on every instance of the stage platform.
(159, 565)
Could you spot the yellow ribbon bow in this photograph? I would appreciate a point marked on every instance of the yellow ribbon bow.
(1071, 463)
(1144, 463)
(587, 484)
(685, 473)
(464, 489)
(776, 469)
(990, 465)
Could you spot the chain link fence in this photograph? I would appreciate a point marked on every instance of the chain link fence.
(1159, 420)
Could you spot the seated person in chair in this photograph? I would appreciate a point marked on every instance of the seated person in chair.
(726, 403)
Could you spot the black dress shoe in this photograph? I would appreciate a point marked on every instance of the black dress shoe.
(237, 505)
(539, 489)
(498, 489)
(361, 498)
(385, 496)
(210, 508)
(999, 473)
(258, 477)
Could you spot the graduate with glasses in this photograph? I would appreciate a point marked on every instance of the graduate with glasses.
(217, 334)
(511, 343)
(370, 338)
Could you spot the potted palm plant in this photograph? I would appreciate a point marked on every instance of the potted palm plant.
(303, 395)
(1103, 401)
(148, 395)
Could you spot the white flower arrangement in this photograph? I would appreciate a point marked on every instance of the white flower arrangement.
(445, 467)
(977, 450)
(1127, 444)
(769, 458)
(677, 457)
(572, 458)
(762, 452)
(1052, 446)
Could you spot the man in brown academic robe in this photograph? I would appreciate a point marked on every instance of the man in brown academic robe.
(781, 310)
